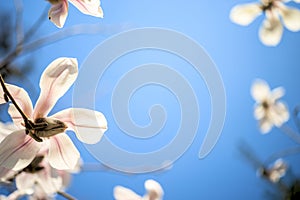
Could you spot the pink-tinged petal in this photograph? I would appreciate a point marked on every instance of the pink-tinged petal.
(3, 172)
(58, 13)
(17, 194)
(63, 154)
(25, 182)
(122, 193)
(155, 191)
(260, 90)
(55, 81)
(270, 32)
(89, 125)
(291, 18)
(16, 117)
(17, 150)
(88, 7)
(245, 14)
(21, 97)
(6, 129)
(50, 185)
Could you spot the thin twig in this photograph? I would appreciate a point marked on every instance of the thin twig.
(12, 55)
(19, 24)
(75, 30)
(65, 195)
(281, 154)
(296, 118)
(6, 92)
(290, 133)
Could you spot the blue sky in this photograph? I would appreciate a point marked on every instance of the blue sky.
(239, 57)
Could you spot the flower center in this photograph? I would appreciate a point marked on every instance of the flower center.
(52, 127)
(265, 105)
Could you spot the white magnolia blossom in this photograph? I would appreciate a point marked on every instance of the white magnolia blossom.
(154, 192)
(275, 172)
(18, 149)
(59, 11)
(271, 30)
(268, 109)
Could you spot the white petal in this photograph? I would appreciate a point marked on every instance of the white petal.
(50, 185)
(265, 126)
(122, 193)
(21, 97)
(6, 129)
(25, 182)
(259, 112)
(245, 14)
(277, 93)
(63, 154)
(55, 81)
(260, 90)
(58, 13)
(17, 150)
(291, 18)
(270, 32)
(88, 7)
(89, 125)
(154, 189)
(5, 174)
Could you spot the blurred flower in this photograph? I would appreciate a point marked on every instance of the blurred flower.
(18, 149)
(268, 109)
(154, 192)
(271, 30)
(59, 11)
(275, 172)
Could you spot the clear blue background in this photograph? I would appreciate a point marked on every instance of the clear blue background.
(240, 58)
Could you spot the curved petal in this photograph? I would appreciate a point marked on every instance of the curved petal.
(55, 81)
(6, 129)
(270, 32)
(21, 97)
(50, 185)
(265, 125)
(245, 14)
(4, 172)
(122, 193)
(58, 13)
(63, 154)
(15, 116)
(25, 182)
(260, 90)
(291, 18)
(154, 189)
(17, 150)
(89, 125)
(88, 7)
(277, 93)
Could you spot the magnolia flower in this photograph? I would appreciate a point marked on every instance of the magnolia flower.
(271, 30)
(275, 172)
(19, 148)
(59, 11)
(38, 179)
(268, 109)
(154, 192)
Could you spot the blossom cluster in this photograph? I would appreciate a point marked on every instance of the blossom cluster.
(276, 13)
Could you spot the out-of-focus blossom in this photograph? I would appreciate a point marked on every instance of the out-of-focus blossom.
(275, 172)
(268, 109)
(59, 11)
(275, 11)
(154, 192)
(18, 149)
